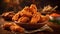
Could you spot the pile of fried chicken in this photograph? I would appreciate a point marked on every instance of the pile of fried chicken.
(27, 15)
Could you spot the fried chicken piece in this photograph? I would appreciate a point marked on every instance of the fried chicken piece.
(36, 17)
(44, 18)
(16, 16)
(8, 15)
(16, 28)
(23, 19)
(12, 27)
(6, 26)
(26, 12)
(33, 8)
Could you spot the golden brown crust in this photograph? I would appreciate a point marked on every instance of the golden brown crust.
(8, 15)
(23, 19)
(13, 27)
(15, 17)
(33, 8)
(24, 12)
(35, 18)
(16, 28)
(6, 25)
(44, 18)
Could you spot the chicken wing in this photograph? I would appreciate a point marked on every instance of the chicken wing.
(33, 8)
(8, 15)
(12, 27)
(44, 18)
(35, 18)
(16, 16)
(6, 26)
(16, 28)
(23, 19)
(26, 12)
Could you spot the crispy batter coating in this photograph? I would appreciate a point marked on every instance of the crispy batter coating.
(15, 17)
(16, 28)
(33, 8)
(13, 27)
(23, 19)
(36, 17)
(44, 18)
(8, 15)
(30, 14)
(26, 12)
(6, 25)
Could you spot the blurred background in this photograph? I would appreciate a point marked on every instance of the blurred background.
(16, 5)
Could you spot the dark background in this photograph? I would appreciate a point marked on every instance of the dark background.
(39, 3)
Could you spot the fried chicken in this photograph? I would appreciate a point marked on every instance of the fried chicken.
(24, 12)
(6, 25)
(23, 19)
(16, 16)
(44, 18)
(8, 15)
(36, 17)
(12, 27)
(33, 8)
(16, 28)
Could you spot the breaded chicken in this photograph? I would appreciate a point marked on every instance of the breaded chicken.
(26, 12)
(33, 8)
(44, 18)
(16, 16)
(6, 25)
(12, 27)
(8, 15)
(36, 17)
(23, 19)
(16, 28)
